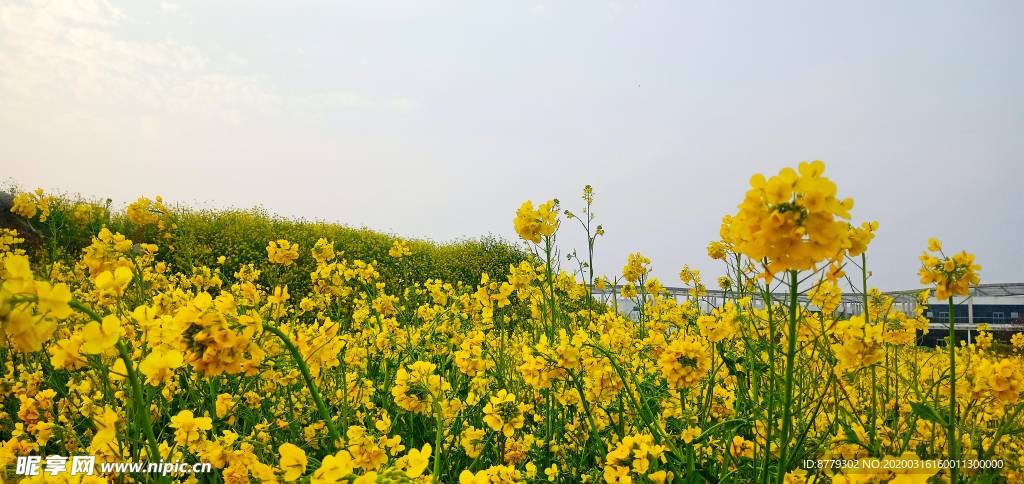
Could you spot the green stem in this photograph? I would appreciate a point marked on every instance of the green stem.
(787, 408)
(437, 440)
(133, 380)
(766, 295)
(867, 321)
(140, 406)
(324, 414)
(953, 441)
(551, 287)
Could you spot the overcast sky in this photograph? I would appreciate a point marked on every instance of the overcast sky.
(437, 119)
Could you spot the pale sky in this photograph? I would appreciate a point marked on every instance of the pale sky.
(438, 119)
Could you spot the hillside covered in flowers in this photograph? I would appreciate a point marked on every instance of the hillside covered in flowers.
(283, 351)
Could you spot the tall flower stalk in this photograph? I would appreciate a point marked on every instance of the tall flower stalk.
(951, 275)
(788, 222)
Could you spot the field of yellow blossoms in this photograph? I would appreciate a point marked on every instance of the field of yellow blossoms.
(299, 364)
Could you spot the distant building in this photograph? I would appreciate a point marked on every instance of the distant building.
(1000, 306)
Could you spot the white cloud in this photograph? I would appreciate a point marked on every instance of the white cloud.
(403, 104)
(98, 12)
(170, 7)
(56, 51)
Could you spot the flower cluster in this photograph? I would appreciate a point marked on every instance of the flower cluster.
(861, 344)
(418, 388)
(27, 324)
(684, 362)
(634, 456)
(951, 275)
(27, 204)
(531, 224)
(282, 252)
(399, 250)
(145, 211)
(790, 220)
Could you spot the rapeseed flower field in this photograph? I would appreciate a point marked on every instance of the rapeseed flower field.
(170, 337)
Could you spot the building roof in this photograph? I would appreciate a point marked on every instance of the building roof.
(1009, 289)
(981, 290)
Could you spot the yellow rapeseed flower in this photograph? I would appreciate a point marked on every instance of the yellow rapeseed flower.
(399, 250)
(636, 267)
(293, 461)
(951, 275)
(684, 362)
(24, 205)
(789, 219)
(418, 460)
(332, 469)
(159, 366)
(189, 428)
(531, 224)
(282, 252)
(97, 336)
(503, 414)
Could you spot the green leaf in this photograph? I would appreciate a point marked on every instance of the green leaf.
(928, 413)
(707, 475)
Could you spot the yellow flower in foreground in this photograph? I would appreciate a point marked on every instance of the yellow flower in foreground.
(503, 414)
(280, 295)
(141, 212)
(741, 447)
(1018, 340)
(952, 275)
(660, 477)
(690, 434)
(97, 336)
(282, 252)
(189, 428)
(225, 401)
(24, 205)
(790, 219)
(26, 331)
(323, 251)
(53, 299)
(473, 441)
(716, 250)
(531, 224)
(332, 469)
(684, 362)
(552, 472)
(418, 460)
(114, 281)
(798, 476)
(19, 274)
(105, 420)
(369, 478)
(159, 366)
(629, 291)
(467, 477)
(415, 389)
(636, 267)
(293, 461)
